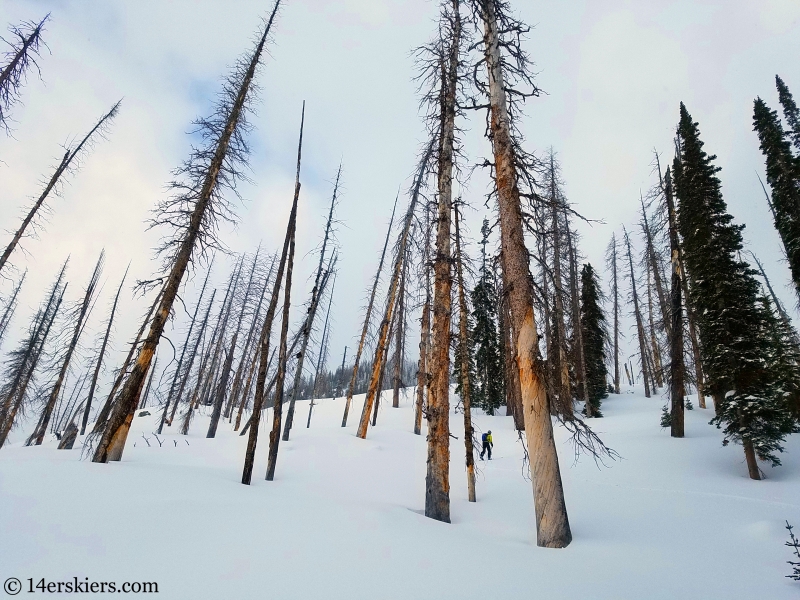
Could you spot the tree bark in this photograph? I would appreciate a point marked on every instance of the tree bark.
(552, 523)
(639, 326)
(752, 463)
(466, 387)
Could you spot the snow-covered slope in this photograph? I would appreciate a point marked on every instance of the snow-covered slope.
(343, 518)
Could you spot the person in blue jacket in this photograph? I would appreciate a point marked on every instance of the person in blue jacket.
(486, 438)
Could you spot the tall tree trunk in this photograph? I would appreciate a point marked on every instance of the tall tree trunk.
(277, 409)
(466, 387)
(514, 405)
(116, 431)
(100, 357)
(639, 325)
(657, 371)
(437, 480)
(367, 318)
(261, 378)
(676, 367)
(552, 523)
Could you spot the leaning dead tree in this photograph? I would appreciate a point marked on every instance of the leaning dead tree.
(263, 345)
(31, 218)
(321, 279)
(504, 57)
(22, 362)
(367, 318)
(26, 42)
(78, 316)
(100, 355)
(193, 213)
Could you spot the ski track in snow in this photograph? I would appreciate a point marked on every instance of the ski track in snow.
(344, 517)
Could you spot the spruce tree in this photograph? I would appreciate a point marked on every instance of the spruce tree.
(790, 110)
(595, 336)
(488, 391)
(783, 176)
(734, 329)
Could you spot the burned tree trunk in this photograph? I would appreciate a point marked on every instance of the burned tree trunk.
(463, 332)
(552, 523)
(277, 408)
(367, 318)
(261, 378)
(639, 325)
(63, 166)
(676, 367)
(11, 306)
(37, 436)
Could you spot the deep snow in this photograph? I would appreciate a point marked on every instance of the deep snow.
(343, 518)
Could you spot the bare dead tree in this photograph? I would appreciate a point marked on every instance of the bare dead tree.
(501, 38)
(193, 214)
(400, 335)
(24, 47)
(30, 219)
(260, 396)
(367, 319)
(146, 393)
(79, 316)
(277, 409)
(463, 333)
(423, 372)
(580, 359)
(100, 356)
(22, 362)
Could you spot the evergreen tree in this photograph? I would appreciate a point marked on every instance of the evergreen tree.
(783, 176)
(488, 391)
(735, 333)
(790, 110)
(595, 336)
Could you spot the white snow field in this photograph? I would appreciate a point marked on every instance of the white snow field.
(344, 517)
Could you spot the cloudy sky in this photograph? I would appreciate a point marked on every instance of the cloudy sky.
(613, 72)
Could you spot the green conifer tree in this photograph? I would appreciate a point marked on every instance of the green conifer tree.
(790, 110)
(489, 390)
(783, 176)
(595, 336)
(734, 332)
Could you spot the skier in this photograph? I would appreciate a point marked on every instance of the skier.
(486, 438)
